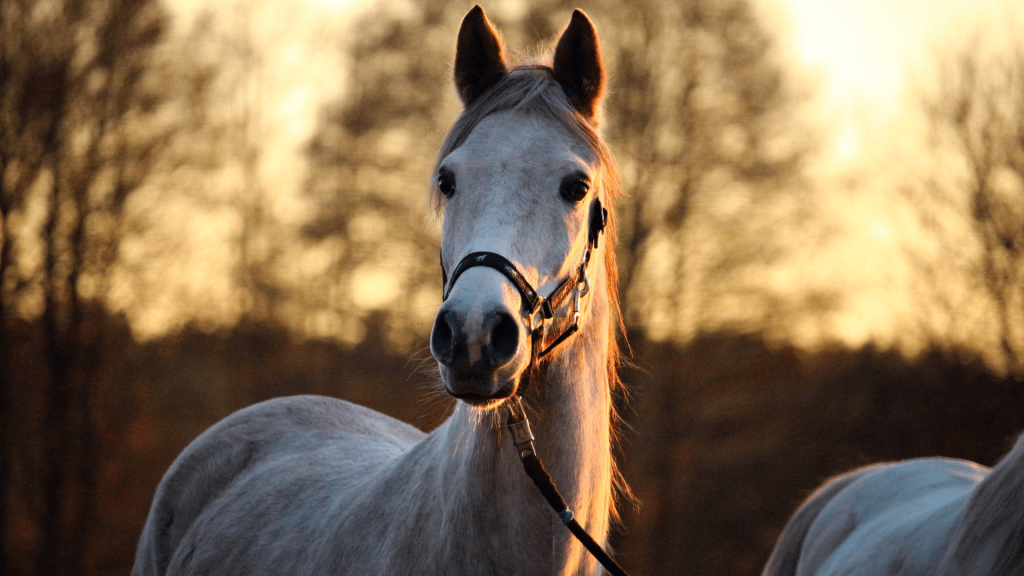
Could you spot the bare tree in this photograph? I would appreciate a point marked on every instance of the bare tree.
(976, 116)
(371, 161)
(243, 77)
(83, 126)
(33, 85)
(704, 116)
(700, 112)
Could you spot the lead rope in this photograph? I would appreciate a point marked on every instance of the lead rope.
(519, 426)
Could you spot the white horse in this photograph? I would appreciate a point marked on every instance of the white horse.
(922, 517)
(311, 485)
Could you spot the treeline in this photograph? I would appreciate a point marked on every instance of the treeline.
(84, 104)
(727, 433)
(701, 113)
(731, 432)
(150, 401)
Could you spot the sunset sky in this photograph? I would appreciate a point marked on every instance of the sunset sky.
(865, 62)
(863, 55)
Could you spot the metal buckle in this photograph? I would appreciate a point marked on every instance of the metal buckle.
(577, 297)
(519, 426)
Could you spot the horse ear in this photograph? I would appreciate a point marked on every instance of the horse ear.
(578, 66)
(479, 56)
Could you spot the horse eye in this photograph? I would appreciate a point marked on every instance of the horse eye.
(575, 191)
(446, 184)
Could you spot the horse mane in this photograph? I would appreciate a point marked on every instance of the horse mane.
(532, 88)
(990, 537)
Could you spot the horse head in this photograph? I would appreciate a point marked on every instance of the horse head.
(520, 179)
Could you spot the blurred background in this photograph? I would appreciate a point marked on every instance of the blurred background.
(202, 207)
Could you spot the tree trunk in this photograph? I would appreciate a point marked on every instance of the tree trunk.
(5, 386)
(82, 357)
(50, 559)
(69, 453)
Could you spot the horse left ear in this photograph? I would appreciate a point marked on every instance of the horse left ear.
(578, 66)
(479, 56)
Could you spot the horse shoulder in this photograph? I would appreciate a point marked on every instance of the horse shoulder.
(280, 430)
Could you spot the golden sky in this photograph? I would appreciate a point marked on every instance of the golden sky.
(862, 54)
(866, 59)
(870, 60)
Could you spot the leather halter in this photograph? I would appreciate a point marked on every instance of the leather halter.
(533, 303)
(517, 422)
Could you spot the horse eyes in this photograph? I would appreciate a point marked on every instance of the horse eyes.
(446, 184)
(575, 190)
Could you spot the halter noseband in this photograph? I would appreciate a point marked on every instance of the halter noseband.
(534, 303)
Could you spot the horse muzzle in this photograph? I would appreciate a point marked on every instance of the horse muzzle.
(480, 350)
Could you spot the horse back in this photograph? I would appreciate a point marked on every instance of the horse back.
(890, 519)
(249, 449)
(790, 545)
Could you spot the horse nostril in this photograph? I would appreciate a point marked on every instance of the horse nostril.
(442, 341)
(504, 339)
(483, 348)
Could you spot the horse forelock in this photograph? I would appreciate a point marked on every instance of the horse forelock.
(531, 88)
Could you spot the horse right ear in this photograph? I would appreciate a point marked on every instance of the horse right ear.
(479, 56)
(578, 66)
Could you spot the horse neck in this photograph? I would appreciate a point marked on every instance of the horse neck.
(570, 414)
(990, 537)
(574, 420)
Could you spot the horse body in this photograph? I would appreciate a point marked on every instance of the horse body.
(314, 485)
(921, 517)
(296, 485)
(310, 485)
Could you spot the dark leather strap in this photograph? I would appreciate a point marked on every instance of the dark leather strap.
(444, 277)
(531, 299)
(597, 222)
(502, 265)
(563, 290)
(532, 371)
